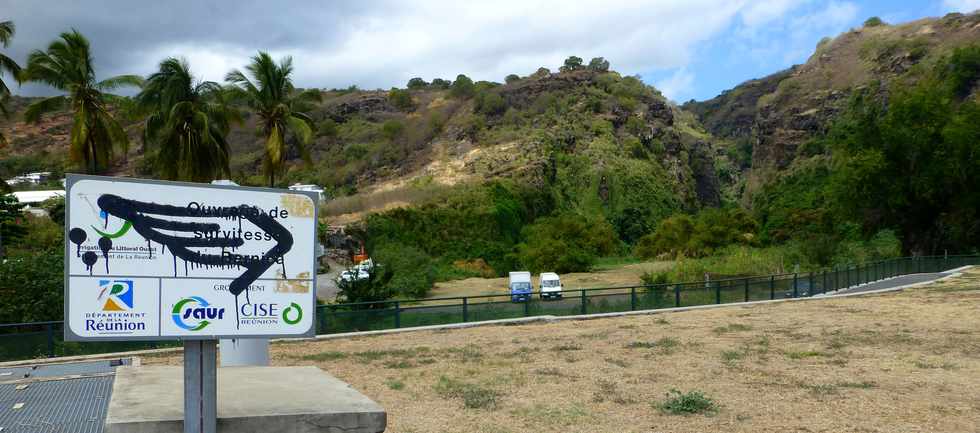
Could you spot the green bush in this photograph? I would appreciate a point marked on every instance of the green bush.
(411, 269)
(391, 129)
(693, 402)
(462, 88)
(565, 243)
(873, 22)
(401, 99)
(512, 78)
(489, 103)
(32, 286)
(416, 83)
(701, 235)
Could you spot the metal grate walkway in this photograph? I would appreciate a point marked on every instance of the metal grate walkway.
(62, 398)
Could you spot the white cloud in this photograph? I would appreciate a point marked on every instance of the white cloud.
(760, 12)
(964, 6)
(678, 86)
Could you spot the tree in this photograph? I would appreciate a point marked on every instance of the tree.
(441, 84)
(187, 123)
(512, 78)
(572, 63)
(417, 83)
(599, 64)
(909, 162)
(372, 287)
(565, 243)
(67, 66)
(281, 111)
(11, 216)
(541, 72)
(873, 22)
(462, 88)
(7, 30)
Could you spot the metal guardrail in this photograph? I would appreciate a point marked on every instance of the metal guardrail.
(40, 339)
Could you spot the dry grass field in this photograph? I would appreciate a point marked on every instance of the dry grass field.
(898, 362)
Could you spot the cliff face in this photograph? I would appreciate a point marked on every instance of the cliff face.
(777, 114)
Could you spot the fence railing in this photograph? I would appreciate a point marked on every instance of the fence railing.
(40, 339)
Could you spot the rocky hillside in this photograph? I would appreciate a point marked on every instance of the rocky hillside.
(774, 116)
(602, 141)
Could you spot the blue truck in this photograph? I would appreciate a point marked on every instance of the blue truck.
(520, 286)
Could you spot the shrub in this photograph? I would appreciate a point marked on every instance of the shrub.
(462, 88)
(401, 99)
(32, 286)
(541, 72)
(391, 129)
(327, 128)
(873, 22)
(693, 402)
(373, 288)
(566, 243)
(489, 103)
(512, 78)
(411, 269)
(672, 237)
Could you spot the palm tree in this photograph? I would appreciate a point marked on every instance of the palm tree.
(7, 30)
(188, 122)
(270, 93)
(67, 66)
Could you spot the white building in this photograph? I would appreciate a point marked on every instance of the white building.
(313, 188)
(32, 178)
(32, 199)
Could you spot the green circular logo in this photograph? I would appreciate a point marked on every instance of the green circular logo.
(299, 314)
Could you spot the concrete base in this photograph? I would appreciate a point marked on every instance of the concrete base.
(250, 399)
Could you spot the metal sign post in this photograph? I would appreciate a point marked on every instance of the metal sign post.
(150, 260)
(200, 386)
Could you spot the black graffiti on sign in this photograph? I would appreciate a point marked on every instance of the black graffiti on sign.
(147, 220)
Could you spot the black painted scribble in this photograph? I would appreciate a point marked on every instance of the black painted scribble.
(139, 214)
(77, 236)
(89, 258)
(105, 244)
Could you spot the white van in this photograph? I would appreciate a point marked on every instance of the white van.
(550, 286)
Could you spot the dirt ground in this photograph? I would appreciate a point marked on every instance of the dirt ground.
(898, 362)
(612, 277)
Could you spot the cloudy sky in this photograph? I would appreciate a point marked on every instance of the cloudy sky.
(686, 48)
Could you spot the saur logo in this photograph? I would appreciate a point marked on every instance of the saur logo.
(118, 295)
(192, 313)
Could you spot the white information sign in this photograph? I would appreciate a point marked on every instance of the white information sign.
(150, 260)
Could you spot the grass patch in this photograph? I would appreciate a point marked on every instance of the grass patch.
(732, 327)
(858, 385)
(566, 347)
(617, 362)
(473, 396)
(467, 353)
(552, 415)
(399, 364)
(731, 357)
(924, 364)
(820, 389)
(801, 354)
(325, 356)
(665, 344)
(689, 403)
(609, 391)
(395, 384)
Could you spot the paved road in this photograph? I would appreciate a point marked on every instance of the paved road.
(895, 282)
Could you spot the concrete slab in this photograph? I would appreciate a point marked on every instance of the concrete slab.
(250, 399)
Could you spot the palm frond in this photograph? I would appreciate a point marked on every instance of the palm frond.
(304, 135)
(7, 30)
(47, 105)
(118, 81)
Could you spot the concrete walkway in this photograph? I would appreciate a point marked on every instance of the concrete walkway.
(900, 281)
